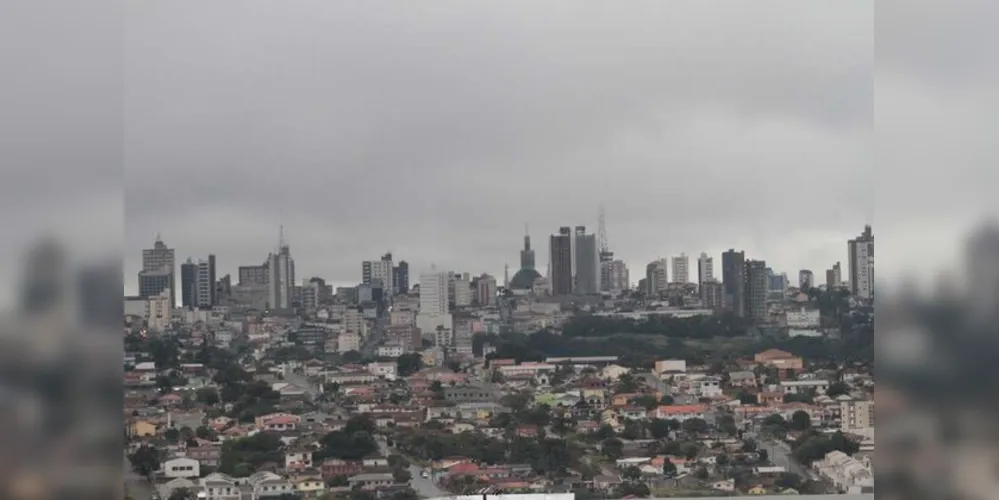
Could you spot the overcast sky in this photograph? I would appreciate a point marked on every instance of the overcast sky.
(437, 130)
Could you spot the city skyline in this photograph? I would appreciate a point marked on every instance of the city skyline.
(441, 156)
(636, 268)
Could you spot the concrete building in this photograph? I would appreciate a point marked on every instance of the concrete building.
(861, 253)
(400, 277)
(159, 311)
(485, 291)
(757, 288)
(681, 265)
(253, 275)
(560, 270)
(614, 277)
(587, 263)
(188, 288)
(705, 269)
(152, 283)
(856, 416)
(280, 278)
(379, 271)
(712, 294)
(460, 289)
(160, 260)
(734, 281)
(806, 279)
(656, 277)
(204, 283)
(435, 310)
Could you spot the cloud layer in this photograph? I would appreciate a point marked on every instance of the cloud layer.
(436, 131)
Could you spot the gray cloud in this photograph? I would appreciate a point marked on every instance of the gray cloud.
(436, 132)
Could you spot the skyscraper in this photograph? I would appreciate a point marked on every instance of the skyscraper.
(160, 260)
(705, 269)
(756, 287)
(861, 253)
(188, 288)
(834, 276)
(435, 311)
(525, 277)
(205, 283)
(806, 279)
(560, 269)
(400, 277)
(587, 259)
(656, 277)
(379, 271)
(734, 281)
(485, 291)
(614, 276)
(281, 278)
(681, 264)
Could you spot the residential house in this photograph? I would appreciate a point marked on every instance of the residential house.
(298, 459)
(206, 453)
(181, 467)
(143, 428)
(779, 359)
(268, 484)
(217, 486)
(681, 412)
(371, 482)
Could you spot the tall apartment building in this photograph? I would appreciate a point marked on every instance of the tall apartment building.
(656, 277)
(158, 260)
(154, 283)
(614, 276)
(435, 311)
(254, 275)
(806, 279)
(734, 281)
(834, 276)
(779, 283)
(204, 283)
(460, 289)
(856, 415)
(379, 271)
(756, 288)
(280, 279)
(188, 286)
(400, 277)
(587, 260)
(560, 269)
(485, 291)
(705, 269)
(861, 253)
(712, 294)
(681, 266)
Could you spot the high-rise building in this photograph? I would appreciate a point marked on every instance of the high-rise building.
(705, 269)
(435, 311)
(400, 277)
(681, 265)
(734, 281)
(153, 283)
(560, 269)
(587, 258)
(188, 287)
(806, 279)
(861, 253)
(779, 283)
(614, 276)
(281, 278)
(205, 283)
(757, 287)
(712, 294)
(656, 277)
(254, 275)
(43, 284)
(379, 271)
(460, 289)
(485, 291)
(158, 259)
(834, 276)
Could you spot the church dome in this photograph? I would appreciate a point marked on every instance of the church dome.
(524, 279)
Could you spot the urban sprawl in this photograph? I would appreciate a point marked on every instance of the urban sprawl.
(699, 381)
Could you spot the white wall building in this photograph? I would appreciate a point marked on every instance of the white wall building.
(705, 268)
(861, 254)
(434, 308)
(681, 266)
(181, 467)
(803, 319)
(159, 311)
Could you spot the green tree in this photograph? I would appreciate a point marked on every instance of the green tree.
(800, 421)
(613, 448)
(401, 475)
(646, 401)
(145, 460)
(172, 435)
(837, 389)
(408, 364)
(632, 474)
(669, 469)
(208, 396)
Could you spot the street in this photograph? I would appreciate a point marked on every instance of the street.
(779, 454)
(424, 487)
